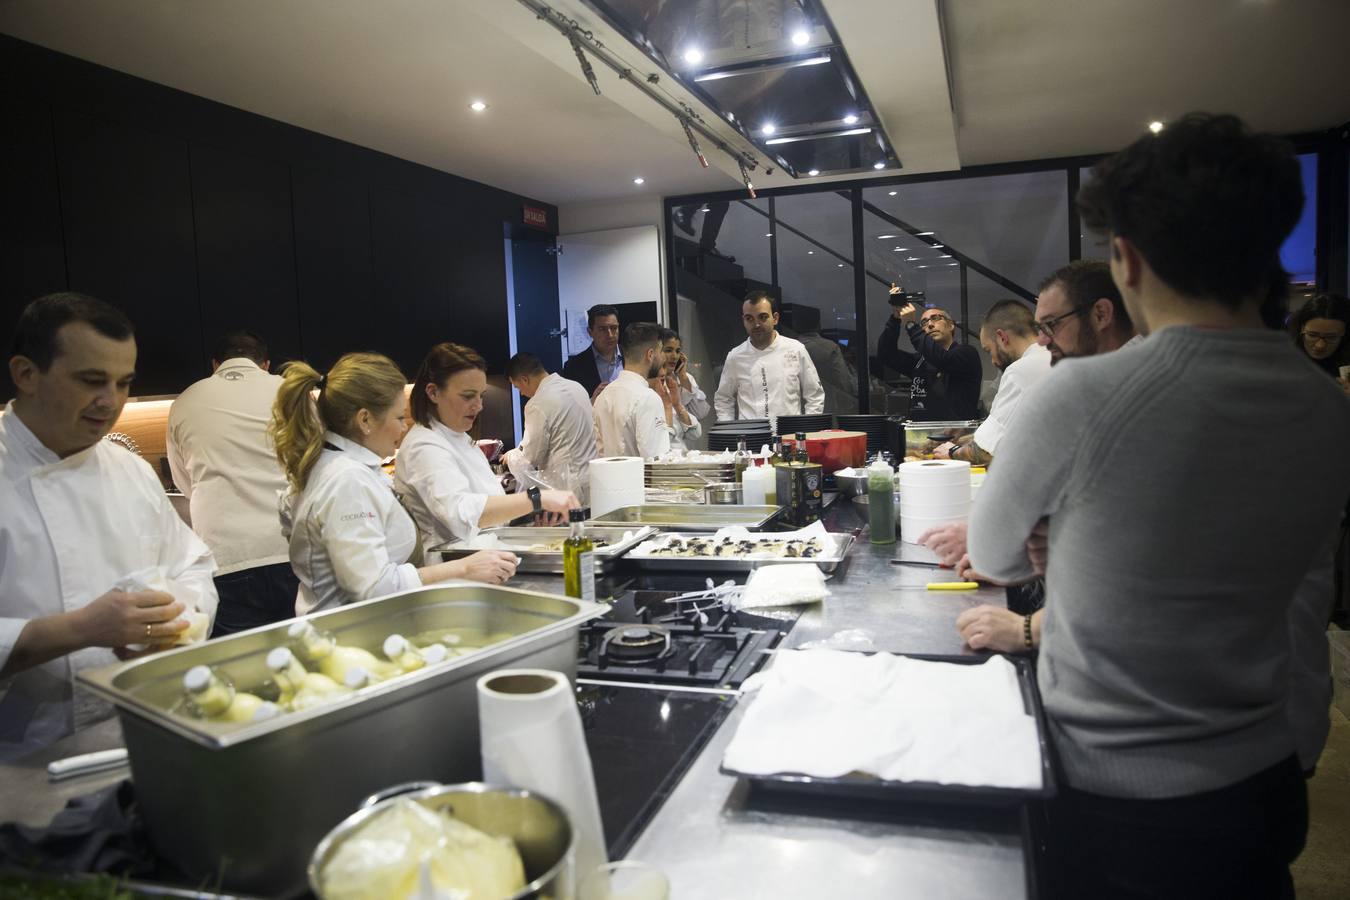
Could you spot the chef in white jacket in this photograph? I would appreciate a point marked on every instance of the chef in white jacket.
(441, 475)
(559, 440)
(770, 374)
(81, 516)
(689, 403)
(349, 538)
(631, 418)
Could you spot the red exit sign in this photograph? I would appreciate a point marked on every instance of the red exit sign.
(536, 217)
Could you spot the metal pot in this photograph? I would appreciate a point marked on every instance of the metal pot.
(539, 828)
(724, 493)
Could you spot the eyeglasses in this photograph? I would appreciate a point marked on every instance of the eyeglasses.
(936, 318)
(1048, 325)
(1317, 337)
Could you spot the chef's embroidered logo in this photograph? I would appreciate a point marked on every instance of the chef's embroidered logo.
(350, 517)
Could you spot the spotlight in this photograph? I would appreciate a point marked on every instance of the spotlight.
(768, 128)
(879, 164)
(813, 172)
(478, 106)
(850, 119)
(693, 56)
(639, 180)
(1155, 126)
(801, 37)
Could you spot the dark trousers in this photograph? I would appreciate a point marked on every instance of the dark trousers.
(1235, 842)
(253, 597)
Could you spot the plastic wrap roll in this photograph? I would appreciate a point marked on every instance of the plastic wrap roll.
(616, 481)
(531, 737)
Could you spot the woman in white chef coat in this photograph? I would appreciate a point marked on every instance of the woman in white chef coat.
(349, 538)
(688, 402)
(442, 476)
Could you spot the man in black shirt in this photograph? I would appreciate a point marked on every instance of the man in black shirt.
(946, 375)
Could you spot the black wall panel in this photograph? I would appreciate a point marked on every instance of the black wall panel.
(245, 252)
(332, 254)
(126, 202)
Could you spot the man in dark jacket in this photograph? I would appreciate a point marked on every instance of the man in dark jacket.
(601, 362)
(946, 375)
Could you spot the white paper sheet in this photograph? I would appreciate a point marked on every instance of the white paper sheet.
(828, 713)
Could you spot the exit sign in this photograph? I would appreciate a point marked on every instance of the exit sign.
(536, 217)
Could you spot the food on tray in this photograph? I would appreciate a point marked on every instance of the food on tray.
(553, 546)
(739, 548)
(408, 850)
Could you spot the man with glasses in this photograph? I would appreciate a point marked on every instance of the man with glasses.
(1177, 560)
(602, 362)
(1079, 312)
(945, 375)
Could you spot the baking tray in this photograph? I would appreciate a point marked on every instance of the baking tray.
(716, 564)
(866, 787)
(550, 562)
(689, 517)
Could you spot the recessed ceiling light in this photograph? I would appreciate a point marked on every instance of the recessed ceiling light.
(767, 128)
(639, 180)
(703, 209)
(850, 119)
(838, 265)
(813, 172)
(953, 264)
(478, 106)
(920, 267)
(1155, 126)
(801, 37)
(898, 249)
(902, 248)
(935, 245)
(731, 117)
(891, 193)
(879, 164)
(910, 258)
(769, 234)
(945, 256)
(810, 252)
(882, 237)
(693, 56)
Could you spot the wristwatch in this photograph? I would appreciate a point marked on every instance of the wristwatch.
(533, 494)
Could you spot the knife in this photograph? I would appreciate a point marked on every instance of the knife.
(86, 764)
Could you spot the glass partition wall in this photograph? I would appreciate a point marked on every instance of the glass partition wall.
(830, 254)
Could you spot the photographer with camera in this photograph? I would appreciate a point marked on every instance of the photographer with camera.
(946, 375)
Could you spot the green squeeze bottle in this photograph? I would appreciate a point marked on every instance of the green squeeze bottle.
(881, 502)
(578, 558)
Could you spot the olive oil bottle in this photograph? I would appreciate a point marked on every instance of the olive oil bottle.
(578, 558)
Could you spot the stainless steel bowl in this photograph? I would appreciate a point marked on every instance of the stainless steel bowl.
(724, 493)
(851, 485)
(538, 827)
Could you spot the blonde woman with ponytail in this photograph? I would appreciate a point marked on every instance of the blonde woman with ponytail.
(349, 538)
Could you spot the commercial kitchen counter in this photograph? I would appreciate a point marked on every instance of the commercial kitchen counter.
(714, 836)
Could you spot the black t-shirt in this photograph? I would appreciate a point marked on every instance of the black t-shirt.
(946, 383)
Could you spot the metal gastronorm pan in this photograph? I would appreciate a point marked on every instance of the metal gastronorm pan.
(524, 541)
(689, 516)
(717, 564)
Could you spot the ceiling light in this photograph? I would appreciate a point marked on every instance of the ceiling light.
(817, 135)
(639, 180)
(850, 119)
(813, 172)
(693, 56)
(478, 106)
(838, 265)
(931, 245)
(882, 237)
(945, 256)
(910, 258)
(801, 37)
(902, 248)
(731, 117)
(879, 164)
(767, 128)
(891, 193)
(703, 209)
(953, 264)
(920, 267)
(810, 252)
(898, 249)
(769, 234)
(1155, 126)
(924, 233)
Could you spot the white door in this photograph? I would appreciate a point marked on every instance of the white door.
(615, 266)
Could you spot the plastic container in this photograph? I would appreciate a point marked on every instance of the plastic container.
(881, 502)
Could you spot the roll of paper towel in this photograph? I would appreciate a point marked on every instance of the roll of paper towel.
(932, 492)
(531, 737)
(616, 481)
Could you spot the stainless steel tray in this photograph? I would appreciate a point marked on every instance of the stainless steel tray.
(689, 517)
(524, 542)
(211, 795)
(713, 564)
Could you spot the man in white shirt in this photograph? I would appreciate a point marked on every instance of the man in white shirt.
(1008, 335)
(224, 464)
(770, 374)
(631, 419)
(82, 516)
(559, 439)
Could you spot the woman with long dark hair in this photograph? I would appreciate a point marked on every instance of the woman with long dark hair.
(1319, 331)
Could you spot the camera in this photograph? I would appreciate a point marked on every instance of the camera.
(903, 297)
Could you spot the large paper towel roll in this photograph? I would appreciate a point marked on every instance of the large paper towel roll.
(932, 492)
(616, 481)
(531, 737)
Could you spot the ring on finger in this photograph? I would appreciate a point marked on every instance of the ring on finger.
(147, 631)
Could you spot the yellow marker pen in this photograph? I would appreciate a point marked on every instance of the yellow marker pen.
(952, 585)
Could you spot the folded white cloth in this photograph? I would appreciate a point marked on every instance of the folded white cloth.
(829, 713)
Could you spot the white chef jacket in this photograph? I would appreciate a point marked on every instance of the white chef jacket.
(559, 438)
(224, 463)
(696, 404)
(779, 380)
(444, 480)
(350, 539)
(71, 529)
(630, 419)
(695, 400)
(1021, 376)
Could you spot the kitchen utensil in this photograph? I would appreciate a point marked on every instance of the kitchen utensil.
(535, 824)
(953, 585)
(529, 545)
(722, 494)
(85, 764)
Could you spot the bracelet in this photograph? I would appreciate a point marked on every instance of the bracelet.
(1026, 631)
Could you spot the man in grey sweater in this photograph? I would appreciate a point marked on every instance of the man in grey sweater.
(1173, 544)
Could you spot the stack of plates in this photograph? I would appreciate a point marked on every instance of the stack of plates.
(794, 424)
(874, 426)
(724, 435)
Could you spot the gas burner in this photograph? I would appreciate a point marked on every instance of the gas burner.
(635, 644)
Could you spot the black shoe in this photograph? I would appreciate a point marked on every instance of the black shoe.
(681, 219)
(713, 251)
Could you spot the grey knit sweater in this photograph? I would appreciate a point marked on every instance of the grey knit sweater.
(1185, 510)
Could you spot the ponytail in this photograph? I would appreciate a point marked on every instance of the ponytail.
(357, 381)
